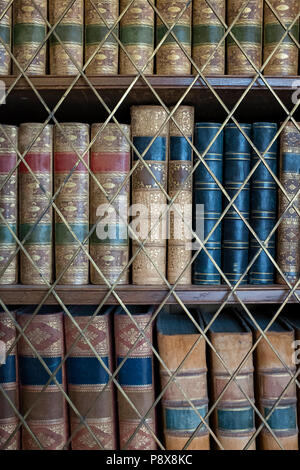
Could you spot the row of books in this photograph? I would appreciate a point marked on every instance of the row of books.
(92, 210)
(217, 382)
(89, 31)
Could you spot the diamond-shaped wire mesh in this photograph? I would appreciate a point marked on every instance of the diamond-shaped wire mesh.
(172, 289)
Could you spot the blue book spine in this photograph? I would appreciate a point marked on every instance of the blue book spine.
(208, 193)
(235, 232)
(263, 202)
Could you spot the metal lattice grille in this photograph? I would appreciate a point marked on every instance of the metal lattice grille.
(172, 289)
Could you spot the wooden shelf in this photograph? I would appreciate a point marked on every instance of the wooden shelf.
(140, 295)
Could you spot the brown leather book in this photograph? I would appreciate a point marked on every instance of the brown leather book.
(6, 27)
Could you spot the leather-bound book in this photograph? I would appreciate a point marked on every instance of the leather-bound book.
(34, 197)
(209, 194)
(8, 203)
(177, 335)
(73, 201)
(136, 378)
(9, 439)
(248, 31)
(29, 33)
(110, 163)
(235, 232)
(285, 60)
(70, 32)
(234, 418)
(137, 36)
(207, 33)
(288, 243)
(263, 202)
(180, 168)
(105, 62)
(5, 31)
(47, 417)
(170, 58)
(273, 378)
(87, 378)
(150, 201)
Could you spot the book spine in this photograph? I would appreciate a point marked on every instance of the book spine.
(136, 379)
(285, 60)
(288, 247)
(248, 31)
(34, 202)
(150, 201)
(208, 193)
(29, 32)
(9, 383)
(8, 203)
(110, 163)
(137, 36)
(272, 379)
(87, 378)
(106, 59)
(5, 34)
(179, 417)
(263, 202)
(207, 33)
(47, 419)
(73, 201)
(235, 231)
(180, 167)
(70, 33)
(170, 58)
(233, 418)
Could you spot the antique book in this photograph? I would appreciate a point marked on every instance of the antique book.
(100, 16)
(247, 30)
(71, 179)
(35, 193)
(234, 418)
(208, 193)
(9, 436)
(42, 400)
(148, 198)
(110, 163)
(134, 356)
(170, 58)
(207, 33)
(137, 37)
(66, 58)
(235, 232)
(29, 34)
(185, 399)
(273, 379)
(288, 245)
(284, 60)
(263, 202)
(180, 179)
(6, 36)
(88, 380)
(8, 204)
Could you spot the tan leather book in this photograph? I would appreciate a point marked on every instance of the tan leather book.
(6, 28)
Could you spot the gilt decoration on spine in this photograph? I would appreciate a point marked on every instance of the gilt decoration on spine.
(5, 34)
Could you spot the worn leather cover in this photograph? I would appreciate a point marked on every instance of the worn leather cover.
(180, 167)
(34, 202)
(70, 32)
(209, 194)
(106, 60)
(88, 380)
(8, 203)
(136, 377)
(6, 34)
(177, 336)
(9, 383)
(73, 201)
(110, 163)
(263, 202)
